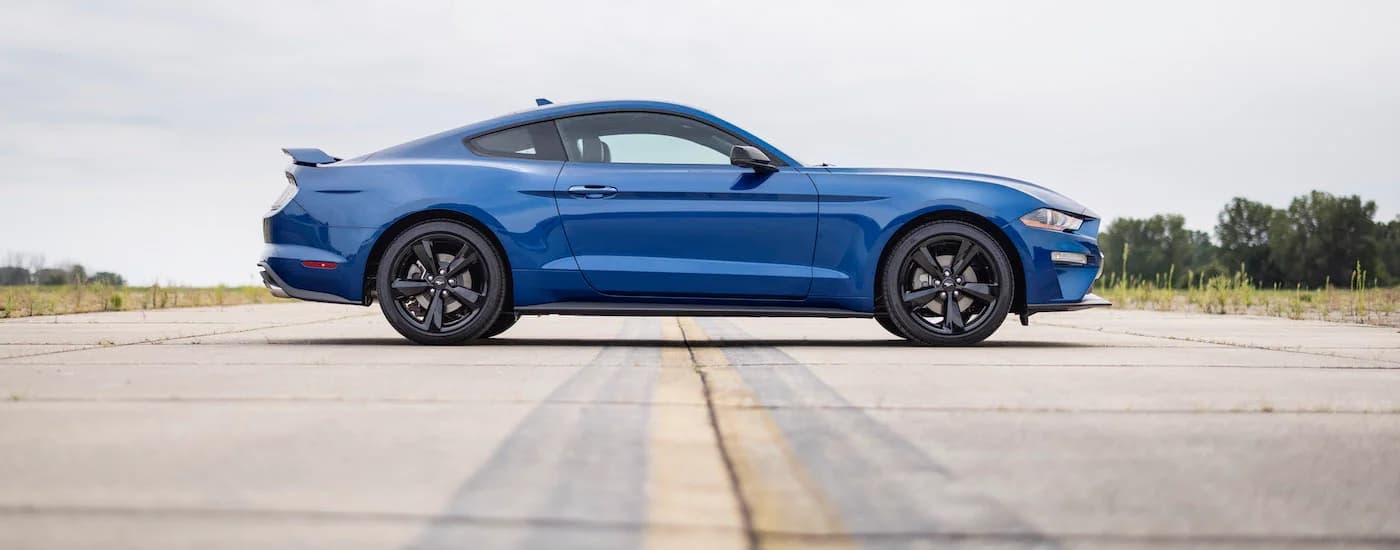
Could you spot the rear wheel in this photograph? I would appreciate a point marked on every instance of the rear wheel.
(947, 284)
(502, 324)
(441, 283)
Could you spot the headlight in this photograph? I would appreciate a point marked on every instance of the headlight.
(1053, 220)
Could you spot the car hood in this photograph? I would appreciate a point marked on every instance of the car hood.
(1041, 193)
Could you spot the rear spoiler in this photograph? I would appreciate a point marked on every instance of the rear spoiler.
(308, 156)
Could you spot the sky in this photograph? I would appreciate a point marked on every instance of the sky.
(144, 137)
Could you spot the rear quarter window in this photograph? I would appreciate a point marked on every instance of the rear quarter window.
(538, 141)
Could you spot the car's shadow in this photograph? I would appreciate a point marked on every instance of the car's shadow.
(659, 343)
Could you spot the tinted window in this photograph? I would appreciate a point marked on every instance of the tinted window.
(534, 141)
(651, 138)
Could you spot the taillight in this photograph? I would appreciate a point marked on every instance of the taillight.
(287, 194)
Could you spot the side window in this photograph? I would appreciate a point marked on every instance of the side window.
(534, 141)
(650, 138)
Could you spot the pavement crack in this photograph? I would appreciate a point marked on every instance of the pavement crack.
(745, 508)
(331, 515)
(1229, 344)
(86, 347)
(816, 407)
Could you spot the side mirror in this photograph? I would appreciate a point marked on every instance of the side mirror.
(745, 156)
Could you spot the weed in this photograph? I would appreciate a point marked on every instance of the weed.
(1236, 293)
(26, 301)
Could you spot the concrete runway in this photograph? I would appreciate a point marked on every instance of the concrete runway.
(304, 425)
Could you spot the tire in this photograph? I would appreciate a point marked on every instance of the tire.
(461, 302)
(502, 324)
(884, 320)
(947, 266)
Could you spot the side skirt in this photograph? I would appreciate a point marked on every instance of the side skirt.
(692, 310)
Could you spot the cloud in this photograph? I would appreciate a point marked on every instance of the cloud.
(143, 137)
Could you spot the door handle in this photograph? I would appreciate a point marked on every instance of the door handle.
(592, 191)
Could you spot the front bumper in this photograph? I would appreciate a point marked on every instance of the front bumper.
(1089, 301)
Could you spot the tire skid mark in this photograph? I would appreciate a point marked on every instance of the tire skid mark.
(880, 482)
(585, 463)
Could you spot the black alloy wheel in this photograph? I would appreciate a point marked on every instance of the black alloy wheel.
(441, 283)
(947, 284)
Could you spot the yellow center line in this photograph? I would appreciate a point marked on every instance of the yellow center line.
(693, 475)
(688, 484)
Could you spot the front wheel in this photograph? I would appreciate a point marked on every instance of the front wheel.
(947, 284)
(441, 283)
(887, 324)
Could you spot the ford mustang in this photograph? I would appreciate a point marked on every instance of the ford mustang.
(651, 208)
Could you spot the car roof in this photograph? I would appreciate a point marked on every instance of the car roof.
(555, 110)
(442, 142)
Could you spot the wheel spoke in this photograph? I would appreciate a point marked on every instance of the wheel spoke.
(920, 298)
(952, 316)
(466, 257)
(424, 251)
(966, 252)
(466, 296)
(982, 292)
(928, 262)
(409, 287)
(434, 317)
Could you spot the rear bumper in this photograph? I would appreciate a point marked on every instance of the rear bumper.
(1089, 301)
(279, 288)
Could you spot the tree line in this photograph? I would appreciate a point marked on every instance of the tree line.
(31, 270)
(1318, 239)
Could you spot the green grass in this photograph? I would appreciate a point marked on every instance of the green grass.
(25, 301)
(1237, 295)
(1233, 294)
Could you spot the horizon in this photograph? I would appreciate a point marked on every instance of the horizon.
(144, 139)
(26, 259)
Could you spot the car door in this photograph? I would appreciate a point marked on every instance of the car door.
(651, 207)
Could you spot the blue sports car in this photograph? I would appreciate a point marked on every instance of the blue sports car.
(650, 208)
